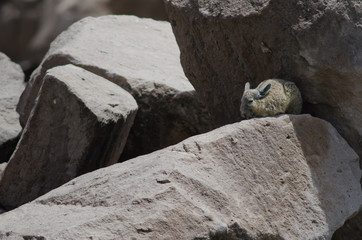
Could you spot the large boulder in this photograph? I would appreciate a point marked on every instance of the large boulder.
(28, 27)
(290, 177)
(80, 123)
(315, 43)
(12, 85)
(140, 55)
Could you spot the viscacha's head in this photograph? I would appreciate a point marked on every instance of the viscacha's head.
(249, 99)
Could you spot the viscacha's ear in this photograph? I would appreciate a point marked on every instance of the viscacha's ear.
(264, 90)
(247, 86)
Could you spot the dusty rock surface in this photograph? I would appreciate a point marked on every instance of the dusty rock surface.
(315, 43)
(272, 178)
(28, 27)
(11, 86)
(80, 123)
(142, 56)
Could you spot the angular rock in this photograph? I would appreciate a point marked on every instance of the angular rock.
(315, 43)
(80, 123)
(142, 56)
(12, 85)
(28, 27)
(273, 178)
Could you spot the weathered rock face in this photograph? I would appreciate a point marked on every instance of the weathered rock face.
(28, 27)
(142, 56)
(315, 43)
(12, 85)
(273, 178)
(80, 123)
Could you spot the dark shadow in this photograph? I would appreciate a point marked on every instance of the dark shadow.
(7, 149)
(235, 232)
(351, 230)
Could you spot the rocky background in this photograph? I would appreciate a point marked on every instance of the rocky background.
(111, 88)
(29, 26)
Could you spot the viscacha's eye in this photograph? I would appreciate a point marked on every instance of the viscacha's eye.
(250, 101)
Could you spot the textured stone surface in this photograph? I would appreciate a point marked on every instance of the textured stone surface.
(273, 178)
(12, 85)
(142, 56)
(28, 27)
(315, 43)
(79, 123)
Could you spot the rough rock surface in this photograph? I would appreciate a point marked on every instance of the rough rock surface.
(79, 123)
(142, 56)
(273, 178)
(315, 43)
(28, 27)
(11, 86)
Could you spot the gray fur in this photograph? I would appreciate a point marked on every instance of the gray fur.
(271, 97)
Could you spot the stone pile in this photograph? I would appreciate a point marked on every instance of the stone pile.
(112, 88)
(76, 116)
(140, 55)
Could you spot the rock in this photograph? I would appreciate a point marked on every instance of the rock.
(28, 27)
(12, 85)
(79, 123)
(142, 56)
(2, 168)
(225, 44)
(271, 178)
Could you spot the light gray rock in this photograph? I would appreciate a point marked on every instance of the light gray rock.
(290, 177)
(314, 43)
(80, 123)
(28, 27)
(142, 56)
(12, 85)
